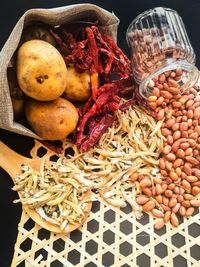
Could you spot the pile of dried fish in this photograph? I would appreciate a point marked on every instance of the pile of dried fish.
(54, 193)
(131, 145)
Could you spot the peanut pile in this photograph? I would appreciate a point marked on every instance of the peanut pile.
(180, 159)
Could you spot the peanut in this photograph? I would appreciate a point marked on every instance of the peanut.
(148, 206)
(174, 220)
(142, 199)
(160, 224)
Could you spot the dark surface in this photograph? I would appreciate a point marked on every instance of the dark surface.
(126, 10)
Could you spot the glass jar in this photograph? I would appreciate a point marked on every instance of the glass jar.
(159, 42)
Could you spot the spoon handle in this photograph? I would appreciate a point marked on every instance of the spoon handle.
(10, 161)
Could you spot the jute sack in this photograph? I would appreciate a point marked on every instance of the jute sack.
(55, 16)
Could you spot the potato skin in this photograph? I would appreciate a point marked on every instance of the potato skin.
(52, 120)
(78, 86)
(41, 70)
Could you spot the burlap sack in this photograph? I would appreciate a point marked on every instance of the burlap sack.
(56, 16)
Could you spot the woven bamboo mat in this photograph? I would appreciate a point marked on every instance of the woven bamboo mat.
(110, 237)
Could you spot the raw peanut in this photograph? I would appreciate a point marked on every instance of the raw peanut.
(170, 140)
(152, 98)
(157, 213)
(151, 84)
(195, 190)
(175, 126)
(183, 99)
(178, 118)
(159, 199)
(192, 178)
(169, 114)
(177, 163)
(140, 177)
(183, 126)
(160, 224)
(192, 160)
(153, 105)
(171, 157)
(173, 83)
(197, 113)
(168, 165)
(192, 143)
(195, 203)
(184, 145)
(165, 208)
(145, 183)
(167, 149)
(190, 131)
(160, 86)
(158, 189)
(169, 123)
(195, 153)
(172, 202)
(176, 104)
(162, 78)
(197, 129)
(156, 92)
(178, 171)
(190, 97)
(188, 151)
(176, 135)
(190, 114)
(188, 196)
(142, 199)
(165, 201)
(195, 123)
(162, 163)
(165, 86)
(173, 176)
(171, 186)
(161, 114)
(176, 190)
(134, 177)
(189, 211)
(186, 185)
(173, 90)
(173, 74)
(193, 136)
(167, 73)
(182, 211)
(147, 191)
(174, 220)
(165, 132)
(168, 193)
(189, 122)
(180, 198)
(168, 180)
(197, 173)
(164, 173)
(195, 106)
(193, 91)
(180, 153)
(186, 203)
(148, 206)
(184, 134)
(176, 208)
(183, 175)
(167, 216)
(189, 103)
(184, 118)
(166, 94)
(160, 101)
(179, 72)
(157, 181)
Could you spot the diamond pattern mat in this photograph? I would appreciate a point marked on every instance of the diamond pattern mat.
(110, 237)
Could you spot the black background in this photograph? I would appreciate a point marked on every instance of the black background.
(126, 10)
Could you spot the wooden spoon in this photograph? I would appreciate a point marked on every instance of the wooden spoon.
(11, 162)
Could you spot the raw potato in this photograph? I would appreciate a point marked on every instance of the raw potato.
(78, 86)
(41, 70)
(52, 120)
(37, 33)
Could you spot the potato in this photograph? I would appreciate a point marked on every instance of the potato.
(78, 85)
(52, 120)
(16, 94)
(37, 33)
(41, 70)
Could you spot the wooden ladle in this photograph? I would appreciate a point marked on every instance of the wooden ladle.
(11, 162)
